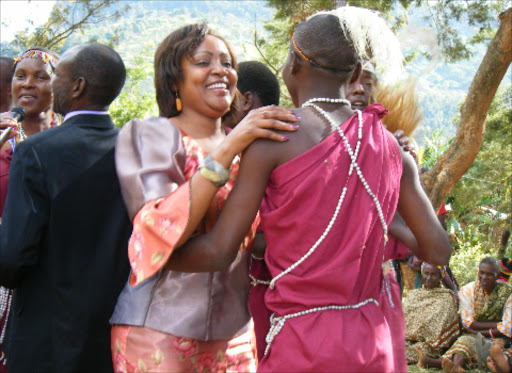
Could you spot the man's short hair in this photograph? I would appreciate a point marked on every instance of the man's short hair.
(255, 77)
(492, 261)
(103, 70)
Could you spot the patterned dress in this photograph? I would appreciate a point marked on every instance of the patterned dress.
(431, 321)
(476, 305)
(157, 226)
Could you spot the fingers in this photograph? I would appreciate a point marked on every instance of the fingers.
(275, 112)
(7, 121)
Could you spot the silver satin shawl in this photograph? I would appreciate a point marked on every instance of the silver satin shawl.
(150, 157)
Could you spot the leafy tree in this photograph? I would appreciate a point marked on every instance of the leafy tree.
(482, 198)
(449, 168)
(133, 101)
(68, 17)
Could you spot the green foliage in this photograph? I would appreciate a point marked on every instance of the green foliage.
(133, 102)
(482, 198)
(481, 201)
(465, 259)
(450, 16)
(66, 18)
(436, 143)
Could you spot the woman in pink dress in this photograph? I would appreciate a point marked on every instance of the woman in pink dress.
(174, 177)
(328, 196)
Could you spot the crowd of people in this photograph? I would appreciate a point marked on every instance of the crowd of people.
(228, 233)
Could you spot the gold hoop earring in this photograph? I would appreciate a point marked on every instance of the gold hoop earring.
(179, 106)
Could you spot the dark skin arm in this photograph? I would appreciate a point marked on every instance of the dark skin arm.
(415, 208)
(401, 232)
(483, 327)
(216, 250)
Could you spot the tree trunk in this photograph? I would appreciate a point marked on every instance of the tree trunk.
(449, 167)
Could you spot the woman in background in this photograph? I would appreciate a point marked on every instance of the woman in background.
(30, 88)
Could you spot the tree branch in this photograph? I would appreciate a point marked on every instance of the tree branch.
(449, 168)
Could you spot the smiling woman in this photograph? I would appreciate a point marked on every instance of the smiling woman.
(176, 171)
(31, 90)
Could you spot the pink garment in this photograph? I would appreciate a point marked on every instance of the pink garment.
(346, 268)
(392, 303)
(5, 164)
(259, 312)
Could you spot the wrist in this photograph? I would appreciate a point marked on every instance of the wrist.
(214, 171)
(223, 155)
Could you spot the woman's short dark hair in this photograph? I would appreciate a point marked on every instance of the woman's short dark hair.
(168, 73)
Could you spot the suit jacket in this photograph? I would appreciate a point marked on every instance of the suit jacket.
(63, 248)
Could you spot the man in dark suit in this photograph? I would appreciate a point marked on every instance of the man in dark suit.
(65, 230)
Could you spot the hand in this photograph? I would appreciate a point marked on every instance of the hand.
(6, 121)
(259, 123)
(404, 142)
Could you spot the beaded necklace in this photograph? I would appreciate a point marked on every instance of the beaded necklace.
(353, 165)
(23, 136)
(5, 305)
(277, 322)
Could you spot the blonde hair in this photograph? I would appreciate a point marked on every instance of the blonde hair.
(404, 110)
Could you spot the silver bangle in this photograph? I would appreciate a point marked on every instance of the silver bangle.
(214, 171)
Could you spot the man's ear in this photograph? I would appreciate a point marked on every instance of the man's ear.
(295, 63)
(78, 87)
(247, 101)
(356, 73)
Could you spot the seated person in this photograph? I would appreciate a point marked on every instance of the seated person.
(485, 308)
(431, 319)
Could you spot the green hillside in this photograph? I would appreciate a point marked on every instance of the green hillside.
(147, 23)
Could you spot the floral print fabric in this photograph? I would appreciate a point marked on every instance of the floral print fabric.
(156, 228)
(137, 349)
(160, 223)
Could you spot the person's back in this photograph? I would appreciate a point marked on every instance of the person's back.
(66, 301)
(64, 235)
(305, 210)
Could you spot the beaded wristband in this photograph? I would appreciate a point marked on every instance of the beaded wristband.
(214, 171)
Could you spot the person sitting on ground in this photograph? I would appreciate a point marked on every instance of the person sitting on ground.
(485, 308)
(431, 319)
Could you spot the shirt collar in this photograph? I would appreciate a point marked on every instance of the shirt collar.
(80, 112)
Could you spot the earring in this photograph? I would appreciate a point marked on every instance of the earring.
(178, 102)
